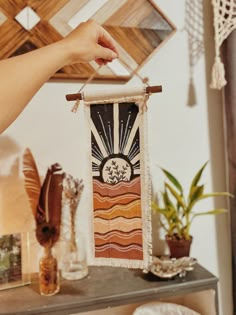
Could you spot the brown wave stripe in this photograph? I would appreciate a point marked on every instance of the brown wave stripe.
(106, 202)
(119, 189)
(137, 239)
(132, 254)
(129, 211)
(120, 205)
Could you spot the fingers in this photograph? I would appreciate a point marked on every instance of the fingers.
(107, 41)
(104, 55)
(101, 62)
(90, 41)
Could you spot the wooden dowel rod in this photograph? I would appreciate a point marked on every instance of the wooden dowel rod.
(154, 89)
(149, 89)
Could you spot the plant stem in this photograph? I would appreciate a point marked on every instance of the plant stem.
(72, 233)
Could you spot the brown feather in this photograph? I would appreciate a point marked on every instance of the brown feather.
(48, 216)
(32, 180)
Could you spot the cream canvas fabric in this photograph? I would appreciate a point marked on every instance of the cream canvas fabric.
(118, 179)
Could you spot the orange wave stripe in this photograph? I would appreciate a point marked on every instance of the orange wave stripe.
(125, 225)
(105, 189)
(137, 239)
(106, 202)
(114, 253)
(127, 211)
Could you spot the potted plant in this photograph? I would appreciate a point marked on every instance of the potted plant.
(177, 211)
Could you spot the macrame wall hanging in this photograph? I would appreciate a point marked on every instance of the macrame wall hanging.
(224, 24)
(194, 30)
(119, 180)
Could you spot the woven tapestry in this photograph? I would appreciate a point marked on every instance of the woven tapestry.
(119, 183)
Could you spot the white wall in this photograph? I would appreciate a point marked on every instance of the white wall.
(181, 139)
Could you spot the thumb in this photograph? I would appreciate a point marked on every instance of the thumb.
(105, 53)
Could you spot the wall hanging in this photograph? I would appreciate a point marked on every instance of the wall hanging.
(138, 26)
(118, 181)
(224, 24)
(195, 31)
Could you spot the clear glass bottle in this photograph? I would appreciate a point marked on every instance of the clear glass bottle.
(49, 278)
(74, 262)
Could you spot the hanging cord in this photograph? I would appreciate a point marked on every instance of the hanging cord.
(144, 80)
(76, 105)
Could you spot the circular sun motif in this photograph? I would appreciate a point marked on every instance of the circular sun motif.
(116, 170)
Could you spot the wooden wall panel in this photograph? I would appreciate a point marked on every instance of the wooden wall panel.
(138, 26)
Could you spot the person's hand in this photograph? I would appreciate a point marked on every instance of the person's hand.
(90, 41)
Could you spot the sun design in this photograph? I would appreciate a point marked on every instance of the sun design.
(115, 142)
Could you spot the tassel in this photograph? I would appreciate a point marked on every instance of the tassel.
(191, 93)
(218, 75)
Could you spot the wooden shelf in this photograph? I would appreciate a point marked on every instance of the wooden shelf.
(104, 287)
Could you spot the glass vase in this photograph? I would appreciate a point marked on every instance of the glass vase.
(49, 281)
(74, 263)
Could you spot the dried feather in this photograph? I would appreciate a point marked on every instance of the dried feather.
(32, 180)
(48, 216)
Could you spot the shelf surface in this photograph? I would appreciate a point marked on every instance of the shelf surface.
(104, 287)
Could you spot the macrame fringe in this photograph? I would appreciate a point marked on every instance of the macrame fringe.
(147, 190)
(191, 94)
(115, 262)
(218, 75)
(89, 186)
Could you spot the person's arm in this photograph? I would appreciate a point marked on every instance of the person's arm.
(22, 76)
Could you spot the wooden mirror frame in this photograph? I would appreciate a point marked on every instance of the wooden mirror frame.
(138, 26)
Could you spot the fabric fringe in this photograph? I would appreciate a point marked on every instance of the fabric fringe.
(218, 75)
(146, 187)
(191, 94)
(89, 186)
(116, 262)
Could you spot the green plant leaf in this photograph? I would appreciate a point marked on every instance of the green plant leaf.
(161, 211)
(173, 180)
(195, 193)
(158, 209)
(164, 227)
(210, 212)
(198, 175)
(177, 196)
(166, 199)
(195, 183)
(155, 206)
(216, 194)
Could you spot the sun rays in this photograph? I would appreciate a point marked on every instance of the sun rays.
(115, 142)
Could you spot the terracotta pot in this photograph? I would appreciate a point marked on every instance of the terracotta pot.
(179, 247)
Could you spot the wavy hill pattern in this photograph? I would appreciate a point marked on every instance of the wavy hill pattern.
(105, 202)
(118, 189)
(128, 211)
(118, 220)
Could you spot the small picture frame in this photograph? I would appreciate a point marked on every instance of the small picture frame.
(14, 260)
